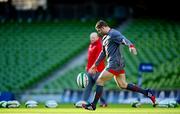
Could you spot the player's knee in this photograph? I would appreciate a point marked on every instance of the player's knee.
(99, 81)
(123, 85)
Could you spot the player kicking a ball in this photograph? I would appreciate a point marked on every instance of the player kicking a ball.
(112, 40)
(94, 50)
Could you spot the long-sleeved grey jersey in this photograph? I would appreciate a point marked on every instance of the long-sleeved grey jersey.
(111, 43)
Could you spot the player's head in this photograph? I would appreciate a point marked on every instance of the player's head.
(102, 27)
(93, 37)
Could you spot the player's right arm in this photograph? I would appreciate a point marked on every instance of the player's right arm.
(100, 58)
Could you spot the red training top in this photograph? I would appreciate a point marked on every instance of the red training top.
(93, 53)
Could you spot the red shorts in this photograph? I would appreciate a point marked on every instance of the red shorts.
(116, 73)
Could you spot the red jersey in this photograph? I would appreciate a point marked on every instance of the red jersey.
(93, 53)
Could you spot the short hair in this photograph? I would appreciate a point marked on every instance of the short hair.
(93, 34)
(101, 23)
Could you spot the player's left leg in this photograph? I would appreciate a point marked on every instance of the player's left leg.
(121, 82)
(104, 76)
(103, 102)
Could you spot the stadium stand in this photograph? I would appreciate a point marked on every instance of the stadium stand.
(157, 43)
(30, 51)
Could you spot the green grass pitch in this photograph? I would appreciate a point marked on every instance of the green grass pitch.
(111, 109)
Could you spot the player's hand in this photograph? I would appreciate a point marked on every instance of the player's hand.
(93, 69)
(132, 49)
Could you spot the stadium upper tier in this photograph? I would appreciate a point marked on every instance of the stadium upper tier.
(157, 42)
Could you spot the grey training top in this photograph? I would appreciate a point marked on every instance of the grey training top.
(111, 43)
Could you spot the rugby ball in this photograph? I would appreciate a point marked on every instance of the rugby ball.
(172, 104)
(82, 80)
(13, 104)
(51, 104)
(3, 104)
(31, 104)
